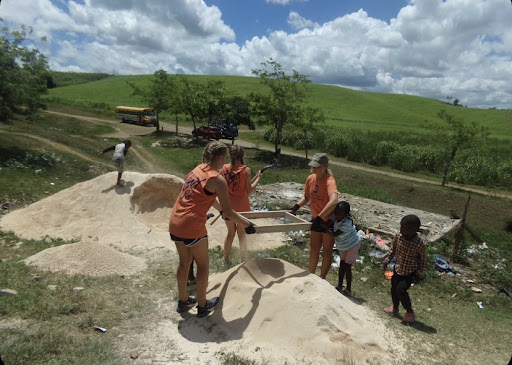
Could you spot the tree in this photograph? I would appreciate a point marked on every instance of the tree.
(457, 134)
(306, 124)
(23, 74)
(236, 109)
(282, 105)
(158, 94)
(192, 98)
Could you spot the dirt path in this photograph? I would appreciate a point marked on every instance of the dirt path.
(58, 146)
(132, 130)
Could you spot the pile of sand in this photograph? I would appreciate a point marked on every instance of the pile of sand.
(133, 219)
(271, 309)
(87, 258)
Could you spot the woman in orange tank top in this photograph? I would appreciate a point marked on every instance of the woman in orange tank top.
(240, 186)
(322, 195)
(187, 225)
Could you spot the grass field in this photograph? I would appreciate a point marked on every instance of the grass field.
(342, 107)
(51, 153)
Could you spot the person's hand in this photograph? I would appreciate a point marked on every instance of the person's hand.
(295, 209)
(318, 225)
(250, 229)
(417, 278)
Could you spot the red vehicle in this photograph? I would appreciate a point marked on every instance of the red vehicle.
(207, 131)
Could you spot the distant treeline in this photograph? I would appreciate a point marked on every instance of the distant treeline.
(60, 79)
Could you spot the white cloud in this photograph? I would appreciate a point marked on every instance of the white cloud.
(298, 22)
(459, 48)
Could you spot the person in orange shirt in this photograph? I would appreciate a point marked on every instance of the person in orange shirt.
(240, 186)
(322, 195)
(187, 225)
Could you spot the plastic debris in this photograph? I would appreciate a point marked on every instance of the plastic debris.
(9, 292)
(101, 329)
(483, 246)
(476, 290)
(480, 305)
(441, 263)
(364, 279)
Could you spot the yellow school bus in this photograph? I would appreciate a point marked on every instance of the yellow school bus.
(140, 116)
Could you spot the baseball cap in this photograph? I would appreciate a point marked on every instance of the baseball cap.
(319, 159)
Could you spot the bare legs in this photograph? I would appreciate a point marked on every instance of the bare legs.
(233, 229)
(199, 253)
(324, 241)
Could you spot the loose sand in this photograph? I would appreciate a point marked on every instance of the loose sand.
(270, 310)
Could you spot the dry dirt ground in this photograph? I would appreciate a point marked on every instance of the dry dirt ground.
(271, 311)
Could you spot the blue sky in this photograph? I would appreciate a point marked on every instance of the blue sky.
(433, 48)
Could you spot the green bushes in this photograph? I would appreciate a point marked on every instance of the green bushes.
(487, 165)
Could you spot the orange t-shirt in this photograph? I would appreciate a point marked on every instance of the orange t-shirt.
(237, 186)
(188, 217)
(318, 192)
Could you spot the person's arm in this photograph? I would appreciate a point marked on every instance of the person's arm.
(390, 254)
(422, 261)
(111, 148)
(329, 207)
(252, 183)
(219, 186)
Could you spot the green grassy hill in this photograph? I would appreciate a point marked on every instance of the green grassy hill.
(341, 106)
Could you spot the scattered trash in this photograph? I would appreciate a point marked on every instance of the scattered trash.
(101, 329)
(336, 262)
(476, 290)
(7, 292)
(364, 279)
(377, 254)
(441, 263)
(483, 246)
(381, 242)
(78, 288)
(454, 295)
(262, 255)
(507, 292)
(470, 281)
(480, 305)
(47, 240)
(51, 287)
(360, 259)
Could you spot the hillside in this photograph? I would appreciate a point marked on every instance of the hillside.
(341, 106)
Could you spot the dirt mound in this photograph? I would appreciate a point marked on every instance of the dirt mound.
(87, 258)
(271, 309)
(133, 218)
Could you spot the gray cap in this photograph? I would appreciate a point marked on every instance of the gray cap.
(319, 159)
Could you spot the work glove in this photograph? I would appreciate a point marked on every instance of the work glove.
(295, 209)
(250, 229)
(318, 225)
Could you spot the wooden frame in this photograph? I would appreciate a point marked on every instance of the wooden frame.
(296, 224)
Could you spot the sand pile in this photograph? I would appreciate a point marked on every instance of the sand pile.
(133, 219)
(87, 258)
(271, 309)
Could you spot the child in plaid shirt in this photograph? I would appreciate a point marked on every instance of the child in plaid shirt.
(409, 250)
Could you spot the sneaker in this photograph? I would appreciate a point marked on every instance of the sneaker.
(339, 289)
(409, 317)
(347, 293)
(185, 306)
(210, 304)
(391, 311)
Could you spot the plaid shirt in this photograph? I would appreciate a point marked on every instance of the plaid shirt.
(410, 255)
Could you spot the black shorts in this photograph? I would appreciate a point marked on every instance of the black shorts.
(189, 242)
